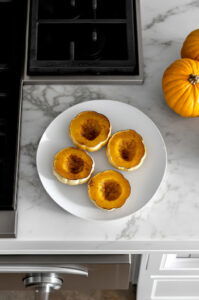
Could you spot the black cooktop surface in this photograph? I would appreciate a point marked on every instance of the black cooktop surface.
(83, 37)
(12, 29)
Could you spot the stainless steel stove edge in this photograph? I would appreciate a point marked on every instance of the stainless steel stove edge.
(8, 223)
(8, 218)
(30, 80)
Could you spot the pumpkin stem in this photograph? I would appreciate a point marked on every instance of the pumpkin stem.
(193, 79)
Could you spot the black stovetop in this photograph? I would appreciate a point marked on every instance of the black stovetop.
(12, 28)
(83, 37)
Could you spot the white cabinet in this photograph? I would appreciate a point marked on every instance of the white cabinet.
(169, 277)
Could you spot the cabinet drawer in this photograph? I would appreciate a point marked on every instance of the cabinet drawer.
(104, 271)
(186, 289)
(174, 262)
(168, 277)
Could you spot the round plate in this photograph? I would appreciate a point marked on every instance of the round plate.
(144, 181)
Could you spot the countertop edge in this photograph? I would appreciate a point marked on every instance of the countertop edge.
(13, 247)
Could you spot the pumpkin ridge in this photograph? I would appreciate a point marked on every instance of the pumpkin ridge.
(179, 104)
(177, 70)
(192, 46)
(174, 78)
(196, 102)
(194, 66)
(174, 100)
(182, 63)
(188, 63)
(171, 92)
(188, 106)
(170, 86)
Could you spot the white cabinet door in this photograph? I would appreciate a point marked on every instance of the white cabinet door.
(175, 289)
(145, 282)
(169, 277)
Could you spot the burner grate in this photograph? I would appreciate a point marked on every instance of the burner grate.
(82, 9)
(83, 37)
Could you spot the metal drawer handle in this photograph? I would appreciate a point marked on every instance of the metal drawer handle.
(61, 269)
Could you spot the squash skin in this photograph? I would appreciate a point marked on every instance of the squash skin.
(118, 186)
(65, 162)
(98, 123)
(190, 47)
(181, 92)
(126, 139)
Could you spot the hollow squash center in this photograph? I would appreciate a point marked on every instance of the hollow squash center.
(127, 150)
(90, 129)
(75, 164)
(112, 190)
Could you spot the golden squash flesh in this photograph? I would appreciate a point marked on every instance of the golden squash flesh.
(90, 130)
(126, 150)
(72, 166)
(109, 189)
(180, 84)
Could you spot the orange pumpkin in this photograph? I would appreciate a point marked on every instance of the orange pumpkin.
(180, 85)
(190, 48)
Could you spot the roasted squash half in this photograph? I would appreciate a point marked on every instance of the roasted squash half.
(126, 150)
(109, 189)
(73, 166)
(90, 130)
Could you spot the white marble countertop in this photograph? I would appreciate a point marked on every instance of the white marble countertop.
(170, 221)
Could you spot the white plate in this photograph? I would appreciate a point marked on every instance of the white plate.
(144, 181)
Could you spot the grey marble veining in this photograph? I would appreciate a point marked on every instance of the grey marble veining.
(173, 213)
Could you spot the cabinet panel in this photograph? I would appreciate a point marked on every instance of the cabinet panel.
(175, 289)
(104, 271)
(182, 264)
(168, 276)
